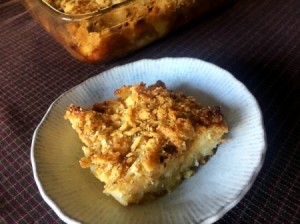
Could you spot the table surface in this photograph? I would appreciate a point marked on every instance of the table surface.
(257, 41)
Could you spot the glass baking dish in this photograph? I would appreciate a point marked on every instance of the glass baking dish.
(118, 29)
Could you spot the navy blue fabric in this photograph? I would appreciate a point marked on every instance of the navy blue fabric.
(257, 41)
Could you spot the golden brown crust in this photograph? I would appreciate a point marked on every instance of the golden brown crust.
(82, 6)
(124, 29)
(146, 140)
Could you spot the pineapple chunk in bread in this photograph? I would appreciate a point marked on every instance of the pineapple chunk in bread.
(147, 140)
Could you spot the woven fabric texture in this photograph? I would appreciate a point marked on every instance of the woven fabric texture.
(257, 41)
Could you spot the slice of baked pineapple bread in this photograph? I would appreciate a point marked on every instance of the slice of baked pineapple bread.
(147, 140)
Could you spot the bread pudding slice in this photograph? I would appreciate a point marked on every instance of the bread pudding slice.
(147, 140)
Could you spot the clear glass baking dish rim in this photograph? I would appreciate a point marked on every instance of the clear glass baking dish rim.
(70, 17)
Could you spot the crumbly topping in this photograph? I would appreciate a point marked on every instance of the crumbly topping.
(141, 133)
(81, 6)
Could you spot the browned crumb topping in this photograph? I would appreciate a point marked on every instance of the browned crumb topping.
(121, 27)
(81, 6)
(144, 141)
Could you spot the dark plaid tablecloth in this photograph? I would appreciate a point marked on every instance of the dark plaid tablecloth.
(256, 40)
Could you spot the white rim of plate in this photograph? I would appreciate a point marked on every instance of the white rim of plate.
(223, 210)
